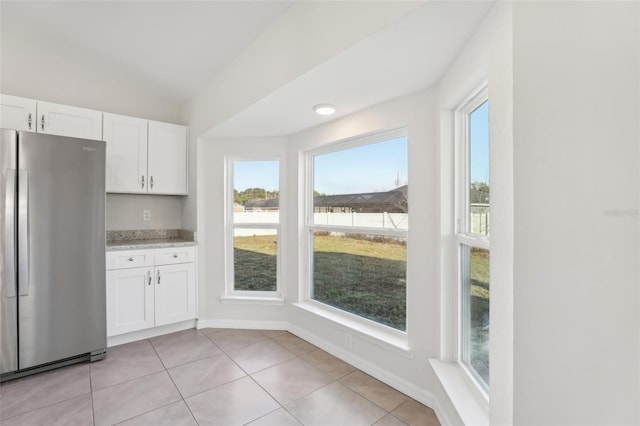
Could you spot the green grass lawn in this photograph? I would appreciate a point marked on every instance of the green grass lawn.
(362, 276)
(479, 312)
(255, 263)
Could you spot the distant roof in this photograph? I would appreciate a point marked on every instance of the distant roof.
(271, 203)
(396, 196)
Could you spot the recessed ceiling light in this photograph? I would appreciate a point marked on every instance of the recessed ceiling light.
(324, 109)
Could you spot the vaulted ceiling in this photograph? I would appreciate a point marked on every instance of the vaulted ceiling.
(173, 49)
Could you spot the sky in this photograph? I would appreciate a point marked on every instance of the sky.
(479, 149)
(256, 174)
(368, 168)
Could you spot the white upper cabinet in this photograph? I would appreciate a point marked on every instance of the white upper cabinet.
(64, 120)
(145, 157)
(167, 155)
(126, 139)
(17, 113)
(53, 119)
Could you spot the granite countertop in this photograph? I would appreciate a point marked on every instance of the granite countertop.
(149, 238)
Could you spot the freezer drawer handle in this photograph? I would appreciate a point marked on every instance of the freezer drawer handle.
(23, 231)
(29, 120)
(10, 232)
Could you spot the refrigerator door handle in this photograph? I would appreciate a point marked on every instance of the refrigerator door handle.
(23, 231)
(10, 233)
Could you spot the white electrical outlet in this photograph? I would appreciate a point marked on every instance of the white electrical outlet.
(348, 341)
(146, 214)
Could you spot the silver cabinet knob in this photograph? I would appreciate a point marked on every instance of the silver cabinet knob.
(130, 259)
(175, 256)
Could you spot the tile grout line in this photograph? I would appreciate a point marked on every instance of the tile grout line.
(251, 377)
(55, 403)
(173, 381)
(93, 411)
(266, 368)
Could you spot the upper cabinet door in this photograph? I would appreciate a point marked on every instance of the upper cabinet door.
(126, 139)
(167, 158)
(17, 113)
(64, 120)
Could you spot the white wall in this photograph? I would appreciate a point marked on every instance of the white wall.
(420, 114)
(29, 71)
(294, 44)
(124, 212)
(212, 226)
(486, 59)
(576, 146)
(416, 112)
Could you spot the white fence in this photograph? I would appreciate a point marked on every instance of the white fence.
(397, 221)
(480, 222)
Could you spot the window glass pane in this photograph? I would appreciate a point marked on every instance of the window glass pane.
(475, 310)
(255, 260)
(362, 274)
(364, 186)
(479, 170)
(256, 191)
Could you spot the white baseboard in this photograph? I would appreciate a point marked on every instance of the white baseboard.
(413, 391)
(409, 389)
(243, 324)
(121, 339)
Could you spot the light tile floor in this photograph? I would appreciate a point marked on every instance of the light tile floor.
(210, 377)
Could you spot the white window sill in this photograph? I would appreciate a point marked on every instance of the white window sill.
(252, 300)
(389, 339)
(471, 407)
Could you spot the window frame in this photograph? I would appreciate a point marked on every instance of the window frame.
(379, 329)
(230, 226)
(462, 223)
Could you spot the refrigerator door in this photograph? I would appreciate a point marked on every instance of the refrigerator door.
(61, 247)
(8, 282)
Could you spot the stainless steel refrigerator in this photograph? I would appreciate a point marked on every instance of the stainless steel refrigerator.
(52, 252)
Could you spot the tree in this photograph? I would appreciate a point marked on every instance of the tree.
(243, 197)
(479, 193)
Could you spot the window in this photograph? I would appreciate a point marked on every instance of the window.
(357, 224)
(472, 237)
(254, 224)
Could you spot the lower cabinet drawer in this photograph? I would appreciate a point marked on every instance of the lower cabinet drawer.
(175, 255)
(129, 259)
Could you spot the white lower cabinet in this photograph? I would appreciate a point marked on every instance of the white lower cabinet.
(161, 292)
(175, 293)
